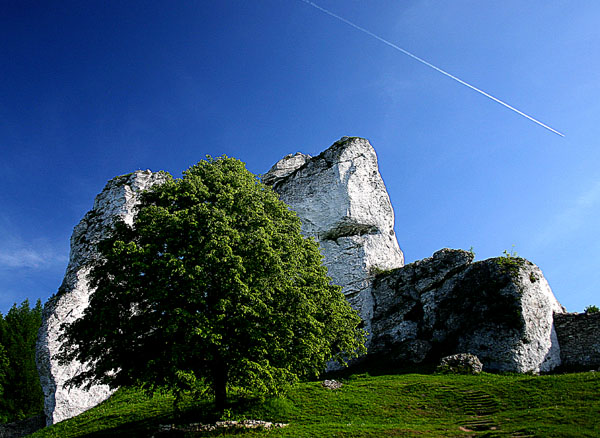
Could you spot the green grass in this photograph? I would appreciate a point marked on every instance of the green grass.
(427, 405)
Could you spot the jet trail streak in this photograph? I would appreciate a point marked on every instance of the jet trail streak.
(422, 61)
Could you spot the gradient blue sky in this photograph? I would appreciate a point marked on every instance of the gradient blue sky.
(94, 89)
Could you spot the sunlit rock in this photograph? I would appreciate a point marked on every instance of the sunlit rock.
(342, 202)
(117, 200)
(500, 310)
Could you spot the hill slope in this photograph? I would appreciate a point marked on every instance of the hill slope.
(384, 405)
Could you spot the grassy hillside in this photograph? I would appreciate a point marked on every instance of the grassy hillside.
(371, 406)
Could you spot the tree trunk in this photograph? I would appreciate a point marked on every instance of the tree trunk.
(220, 385)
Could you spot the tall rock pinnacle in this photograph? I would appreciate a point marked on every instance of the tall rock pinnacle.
(342, 202)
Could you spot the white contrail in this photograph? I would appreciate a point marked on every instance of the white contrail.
(406, 52)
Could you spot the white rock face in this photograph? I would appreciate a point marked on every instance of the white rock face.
(502, 313)
(535, 347)
(118, 199)
(342, 202)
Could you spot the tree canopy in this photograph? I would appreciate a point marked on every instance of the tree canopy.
(212, 283)
(3, 370)
(20, 391)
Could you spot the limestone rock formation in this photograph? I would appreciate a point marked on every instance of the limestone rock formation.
(342, 202)
(117, 200)
(500, 310)
(339, 197)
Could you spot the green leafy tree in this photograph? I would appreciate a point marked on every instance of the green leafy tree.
(213, 284)
(22, 394)
(591, 309)
(3, 369)
(4, 417)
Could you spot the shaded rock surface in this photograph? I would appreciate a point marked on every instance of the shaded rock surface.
(462, 363)
(117, 200)
(342, 202)
(22, 428)
(501, 312)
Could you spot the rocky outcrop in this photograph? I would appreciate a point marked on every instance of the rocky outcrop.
(342, 202)
(500, 310)
(339, 197)
(117, 200)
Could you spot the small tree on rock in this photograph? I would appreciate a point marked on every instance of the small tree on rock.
(213, 283)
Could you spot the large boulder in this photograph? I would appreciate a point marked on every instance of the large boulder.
(117, 200)
(500, 310)
(342, 202)
(462, 363)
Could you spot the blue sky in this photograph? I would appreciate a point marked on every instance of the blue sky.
(95, 89)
